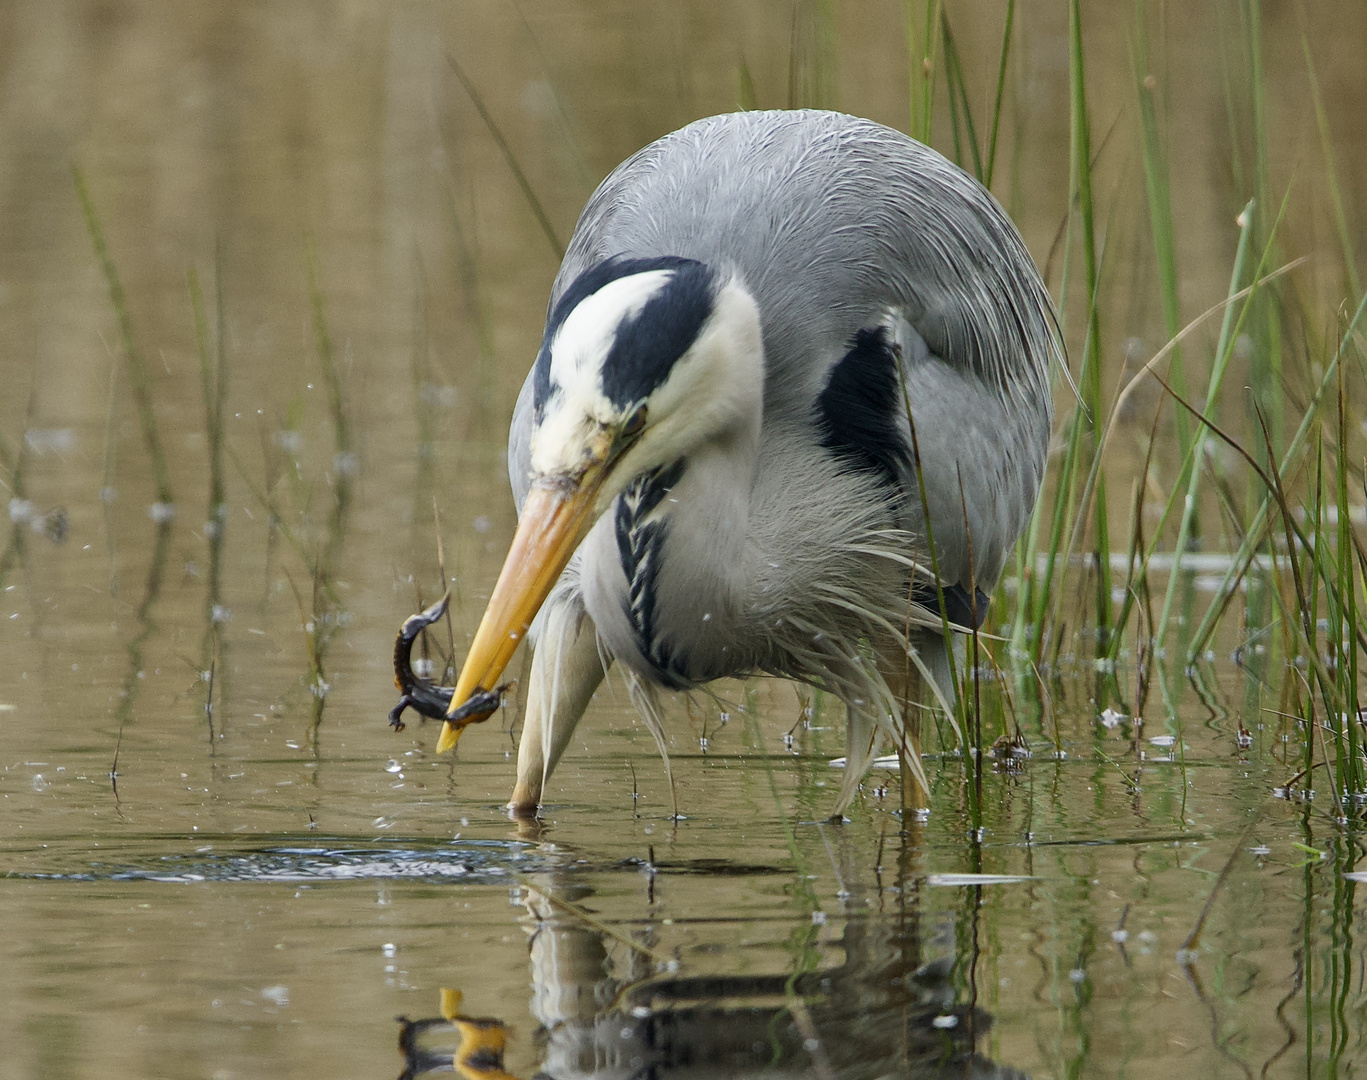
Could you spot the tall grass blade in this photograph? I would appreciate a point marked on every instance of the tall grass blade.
(1224, 348)
(747, 100)
(1266, 369)
(958, 100)
(538, 211)
(811, 57)
(997, 97)
(137, 367)
(213, 375)
(1081, 154)
(576, 151)
(1344, 608)
(921, 47)
(1149, 371)
(476, 310)
(1253, 537)
(344, 464)
(1331, 173)
(1157, 186)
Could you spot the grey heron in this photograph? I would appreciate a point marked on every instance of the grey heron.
(713, 456)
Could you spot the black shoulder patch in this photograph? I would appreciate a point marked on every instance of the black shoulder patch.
(640, 546)
(648, 345)
(857, 411)
(958, 608)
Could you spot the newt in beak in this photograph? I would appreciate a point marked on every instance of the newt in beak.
(559, 511)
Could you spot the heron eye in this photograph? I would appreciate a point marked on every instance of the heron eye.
(635, 422)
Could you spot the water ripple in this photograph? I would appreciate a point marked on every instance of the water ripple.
(294, 865)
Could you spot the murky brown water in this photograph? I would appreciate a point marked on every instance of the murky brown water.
(270, 884)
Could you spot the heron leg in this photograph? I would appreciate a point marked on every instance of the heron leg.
(910, 689)
(566, 670)
(913, 794)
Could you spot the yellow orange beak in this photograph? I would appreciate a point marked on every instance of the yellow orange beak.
(556, 516)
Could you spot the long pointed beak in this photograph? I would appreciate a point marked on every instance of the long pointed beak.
(555, 517)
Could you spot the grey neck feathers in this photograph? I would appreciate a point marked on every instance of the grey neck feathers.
(711, 569)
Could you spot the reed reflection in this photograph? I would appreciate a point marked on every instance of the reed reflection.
(884, 1012)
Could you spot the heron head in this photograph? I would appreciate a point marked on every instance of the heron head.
(642, 361)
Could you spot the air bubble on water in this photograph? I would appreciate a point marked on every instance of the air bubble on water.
(277, 995)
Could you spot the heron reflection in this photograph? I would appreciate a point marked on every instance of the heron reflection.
(882, 1013)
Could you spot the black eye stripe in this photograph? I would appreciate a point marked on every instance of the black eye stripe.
(644, 346)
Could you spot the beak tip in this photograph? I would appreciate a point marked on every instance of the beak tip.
(450, 735)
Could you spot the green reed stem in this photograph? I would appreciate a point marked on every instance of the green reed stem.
(1221, 489)
(213, 385)
(1253, 537)
(1081, 154)
(1158, 188)
(958, 99)
(140, 375)
(1224, 348)
(538, 211)
(1266, 369)
(914, 728)
(812, 79)
(344, 459)
(997, 97)
(1296, 542)
(1039, 595)
(1331, 173)
(1350, 628)
(747, 100)
(922, 52)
